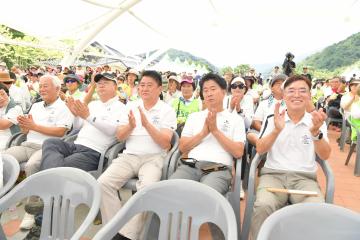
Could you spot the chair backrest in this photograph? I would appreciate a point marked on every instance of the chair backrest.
(251, 194)
(233, 195)
(11, 170)
(16, 139)
(311, 221)
(182, 206)
(62, 190)
(174, 147)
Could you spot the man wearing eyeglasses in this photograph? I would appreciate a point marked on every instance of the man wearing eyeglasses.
(291, 139)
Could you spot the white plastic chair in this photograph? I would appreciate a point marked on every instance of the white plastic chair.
(233, 195)
(11, 170)
(110, 153)
(62, 190)
(251, 194)
(182, 206)
(311, 221)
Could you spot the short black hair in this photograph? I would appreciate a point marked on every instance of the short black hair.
(296, 78)
(154, 75)
(215, 77)
(2, 86)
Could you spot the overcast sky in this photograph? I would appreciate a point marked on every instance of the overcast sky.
(225, 32)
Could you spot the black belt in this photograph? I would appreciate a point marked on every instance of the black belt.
(191, 162)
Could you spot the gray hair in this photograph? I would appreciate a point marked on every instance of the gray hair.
(54, 79)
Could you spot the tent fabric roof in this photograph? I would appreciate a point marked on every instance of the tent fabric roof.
(223, 32)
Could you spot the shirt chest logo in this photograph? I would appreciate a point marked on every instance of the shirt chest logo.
(305, 139)
(155, 120)
(225, 126)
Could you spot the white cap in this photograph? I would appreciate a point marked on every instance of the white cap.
(174, 78)
(238, 79)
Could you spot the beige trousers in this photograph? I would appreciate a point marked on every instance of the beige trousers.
(266, 202)
(27, 152)
(148, 168)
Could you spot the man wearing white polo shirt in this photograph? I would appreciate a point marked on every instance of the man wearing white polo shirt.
(148, 130)
(97, 123)
(46, 119)
(211, 137)
(291, 139)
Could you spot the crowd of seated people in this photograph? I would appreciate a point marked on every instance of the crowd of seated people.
(214, 115)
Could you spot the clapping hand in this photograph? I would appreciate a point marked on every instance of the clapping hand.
(26, 122)
(318, 118)
(279, 118)
(144, 120)
(132, 121)
(211, 121)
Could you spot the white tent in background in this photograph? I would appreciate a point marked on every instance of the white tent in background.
(165, 64)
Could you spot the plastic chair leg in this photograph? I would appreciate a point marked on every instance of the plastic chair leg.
(352, 148)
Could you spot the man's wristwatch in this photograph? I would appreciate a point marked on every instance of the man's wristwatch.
(317, 137)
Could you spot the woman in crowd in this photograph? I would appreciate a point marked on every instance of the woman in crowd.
(73, 83)
(131, 78)
(173, 89)
(239, 101)
(350, 97)
(186, 103)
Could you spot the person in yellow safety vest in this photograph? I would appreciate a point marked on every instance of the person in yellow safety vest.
(186, 103)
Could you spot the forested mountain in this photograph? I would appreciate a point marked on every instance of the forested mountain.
(183, 56)
(338, 55)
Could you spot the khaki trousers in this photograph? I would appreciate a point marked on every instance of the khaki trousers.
(148, 168)
(27, 152)
(266, 202)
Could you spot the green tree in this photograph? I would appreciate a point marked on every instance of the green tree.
(22, 55)
(242, 69)
(226, 69)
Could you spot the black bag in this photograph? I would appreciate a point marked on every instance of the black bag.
(180, 126)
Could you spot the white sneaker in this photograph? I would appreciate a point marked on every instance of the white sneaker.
(242, 194)
(27, 222)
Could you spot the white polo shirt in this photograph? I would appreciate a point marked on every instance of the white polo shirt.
(1, 172)
(161, 115)
(293, 149)
(11, 116)
(55, 115)
(209, 149)
(99, 129)
(267, 107)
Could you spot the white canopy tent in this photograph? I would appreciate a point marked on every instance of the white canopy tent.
(224, 32)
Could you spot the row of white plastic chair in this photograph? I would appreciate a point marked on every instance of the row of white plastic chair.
(66, 188)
